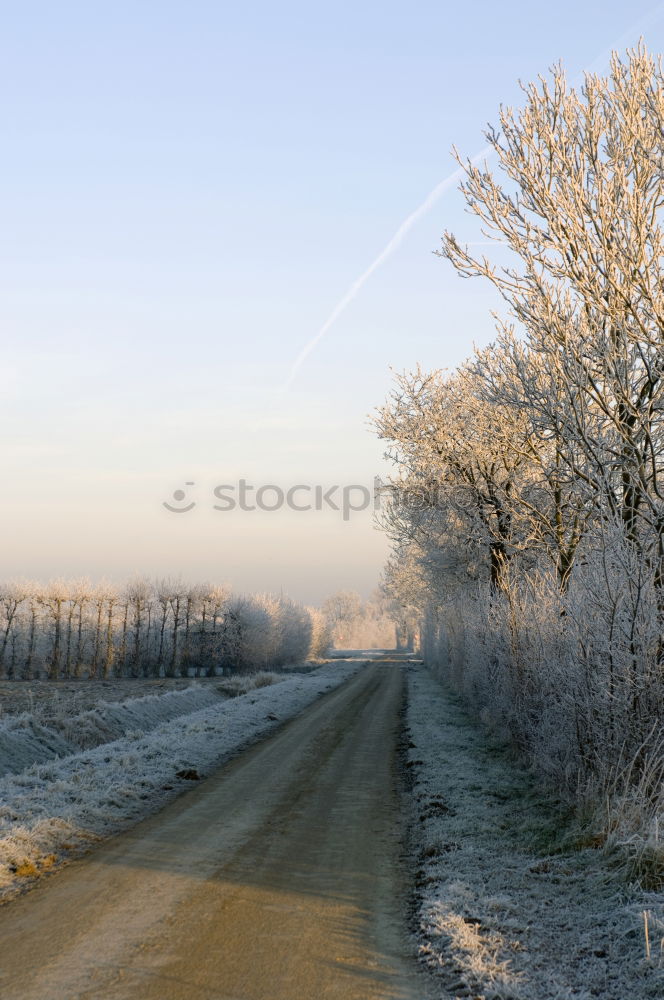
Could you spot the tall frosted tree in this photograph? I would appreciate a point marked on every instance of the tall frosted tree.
(577, 207)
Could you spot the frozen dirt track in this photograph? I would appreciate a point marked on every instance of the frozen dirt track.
(278, 878)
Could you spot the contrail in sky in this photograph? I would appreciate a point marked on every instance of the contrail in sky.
(386, 252)
(646, 21)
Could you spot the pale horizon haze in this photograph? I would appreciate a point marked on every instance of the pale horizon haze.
(189, 190)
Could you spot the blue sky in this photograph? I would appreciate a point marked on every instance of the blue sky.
(188, 191)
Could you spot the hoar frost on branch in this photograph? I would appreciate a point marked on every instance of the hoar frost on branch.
(582, 219)
(527, 508)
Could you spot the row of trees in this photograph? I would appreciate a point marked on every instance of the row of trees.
(378, 623)
(528, 506)
(74, 629)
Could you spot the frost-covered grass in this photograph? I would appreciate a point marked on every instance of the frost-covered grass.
(51, 809)
(49, 699)
(25, 741)
(30, 739)
(243, 683)
(507, 907)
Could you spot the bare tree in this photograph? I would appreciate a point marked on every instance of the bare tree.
(139, 598)
(342, 610)
(580, 215)
(53, 598)
(12, 596)
(34, 601)
(460, 460)
(111, 599)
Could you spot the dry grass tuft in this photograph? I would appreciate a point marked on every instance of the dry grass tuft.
(244, 683)
(27, 869)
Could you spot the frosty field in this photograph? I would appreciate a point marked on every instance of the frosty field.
(281, 877)
(80, 776)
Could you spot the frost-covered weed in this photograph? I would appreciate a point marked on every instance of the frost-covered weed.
(243, 683)
(504, 910)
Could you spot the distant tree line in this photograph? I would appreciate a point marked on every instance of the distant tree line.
(378, 623)
(75, 629)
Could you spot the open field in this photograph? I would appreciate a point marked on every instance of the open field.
(47, 698)
(72, 779)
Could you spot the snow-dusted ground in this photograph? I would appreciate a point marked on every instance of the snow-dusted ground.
(499, 917)
(28, 739)
(49, 810)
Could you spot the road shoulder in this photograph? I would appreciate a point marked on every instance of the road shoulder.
(497, 912)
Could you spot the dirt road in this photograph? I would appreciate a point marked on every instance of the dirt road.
(276, 879)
